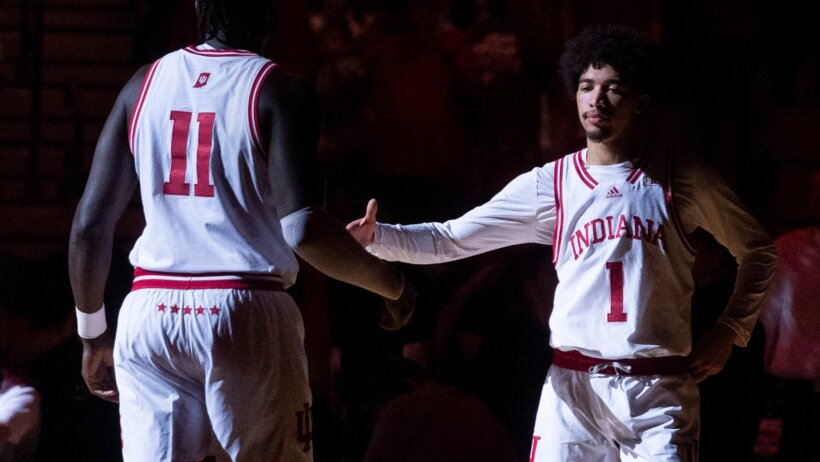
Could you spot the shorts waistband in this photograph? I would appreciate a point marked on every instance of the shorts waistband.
(144, 279)
(665, 365)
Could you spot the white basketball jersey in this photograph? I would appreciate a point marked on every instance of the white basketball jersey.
(208, 202)
(624, 268)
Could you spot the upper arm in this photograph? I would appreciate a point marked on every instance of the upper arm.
(113, 179)
(291, 123)
(708, 203)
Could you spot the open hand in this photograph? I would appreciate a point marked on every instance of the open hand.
(364, 229)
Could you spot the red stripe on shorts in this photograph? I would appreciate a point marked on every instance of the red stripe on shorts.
(144, 279)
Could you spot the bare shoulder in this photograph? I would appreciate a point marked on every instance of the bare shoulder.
(282, 88)
(129, 93)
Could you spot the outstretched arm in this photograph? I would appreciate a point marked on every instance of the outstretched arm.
(289, 108)
(110, 186)
(523, 212)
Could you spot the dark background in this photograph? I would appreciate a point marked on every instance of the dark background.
(430, 106)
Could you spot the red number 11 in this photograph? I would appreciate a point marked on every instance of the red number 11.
(616, 292)
(176, 184)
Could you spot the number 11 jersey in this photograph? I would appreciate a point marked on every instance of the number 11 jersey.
(207, 198)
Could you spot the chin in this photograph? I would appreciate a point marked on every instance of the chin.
(597, 135)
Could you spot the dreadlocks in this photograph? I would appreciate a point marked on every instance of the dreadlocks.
(239, 21)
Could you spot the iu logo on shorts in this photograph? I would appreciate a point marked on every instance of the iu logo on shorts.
(304, 432)
(202, 80)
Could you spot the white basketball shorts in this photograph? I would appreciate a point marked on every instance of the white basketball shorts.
(200, 367)
(588, 417)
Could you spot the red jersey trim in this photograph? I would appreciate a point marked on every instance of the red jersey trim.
(634, 176)
(219, 53)
(558, 230)
(669, 195)
(583, 172)
(253, 103)
(132, 125)
(144, 279)
(664, 365)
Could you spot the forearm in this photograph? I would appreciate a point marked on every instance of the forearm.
(521, 213)
(89, 261)
(481, 230)
(426, 243)
(754, 274)
(324, 243)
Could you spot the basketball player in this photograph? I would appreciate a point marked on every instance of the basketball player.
(619, 216)
(209, 347)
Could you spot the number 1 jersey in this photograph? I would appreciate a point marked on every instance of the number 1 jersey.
(624, 267)
(195, 136)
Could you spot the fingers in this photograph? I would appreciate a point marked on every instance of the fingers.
(107, 393)
(701, 369)
(103, 384)
(98, 368)
(370, 213)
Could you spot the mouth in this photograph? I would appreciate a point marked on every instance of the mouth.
(595, 117)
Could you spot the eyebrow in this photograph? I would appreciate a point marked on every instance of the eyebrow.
(606, 82)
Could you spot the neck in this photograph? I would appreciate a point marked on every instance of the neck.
(606, 154)
(221, 43)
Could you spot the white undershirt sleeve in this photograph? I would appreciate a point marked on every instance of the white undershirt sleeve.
(523, 212)
(706, 201)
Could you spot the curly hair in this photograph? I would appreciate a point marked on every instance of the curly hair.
(623, 48)
(240, 21)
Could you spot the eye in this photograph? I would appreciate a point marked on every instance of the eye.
(584, 87)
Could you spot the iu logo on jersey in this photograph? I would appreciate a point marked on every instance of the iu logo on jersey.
(202, 80)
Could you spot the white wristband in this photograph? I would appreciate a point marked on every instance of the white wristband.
(91, 325)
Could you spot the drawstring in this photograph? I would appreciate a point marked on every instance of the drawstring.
(617, 367)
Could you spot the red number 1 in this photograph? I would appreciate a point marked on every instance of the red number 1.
(616, 292)
(176, 184)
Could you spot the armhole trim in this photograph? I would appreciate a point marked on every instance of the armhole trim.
(557, 232)
(253, 104)
(132, 125)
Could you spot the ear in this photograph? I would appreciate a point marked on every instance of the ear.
(643, 103)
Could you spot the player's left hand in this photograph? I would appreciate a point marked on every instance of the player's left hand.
(98, 367)
(711, 351)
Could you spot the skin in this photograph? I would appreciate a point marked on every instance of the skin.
(290, 118)
(608, 108)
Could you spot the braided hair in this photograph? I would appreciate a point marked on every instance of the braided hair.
(240, 22)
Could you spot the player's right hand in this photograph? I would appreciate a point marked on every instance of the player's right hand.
(364, 229)
(98, 367)
(397, 313)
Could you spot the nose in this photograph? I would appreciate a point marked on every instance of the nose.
(598, 98)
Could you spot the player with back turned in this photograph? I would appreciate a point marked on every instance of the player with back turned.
(619, 215)
(209, 348)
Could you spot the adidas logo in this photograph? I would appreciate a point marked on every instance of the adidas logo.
(613, 193)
